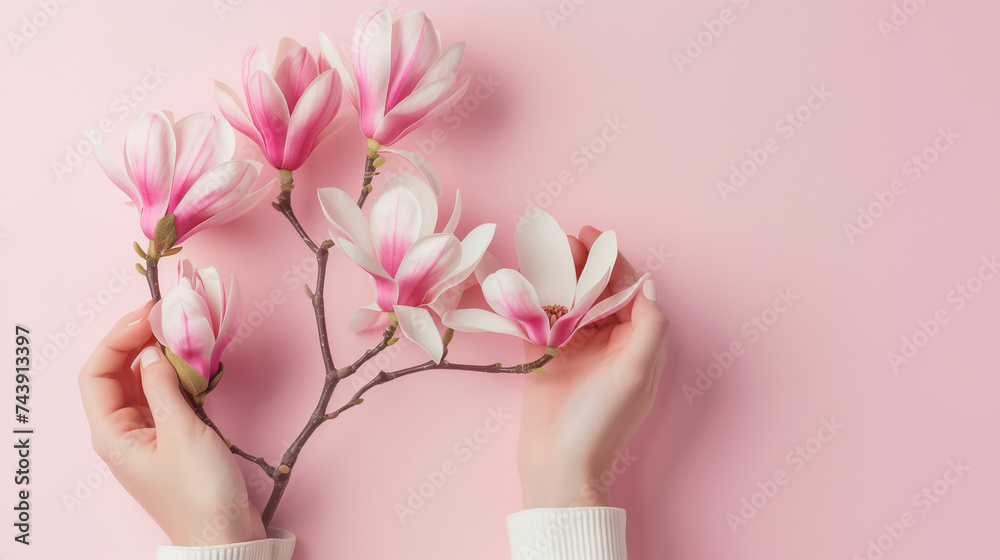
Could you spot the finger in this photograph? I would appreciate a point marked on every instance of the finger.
(167, 404)
(649, 333)
(579, 254)
(100, 387)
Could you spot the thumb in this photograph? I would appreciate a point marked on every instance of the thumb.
(167, 404)
(649, 329)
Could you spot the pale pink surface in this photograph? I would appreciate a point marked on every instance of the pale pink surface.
(65, 241)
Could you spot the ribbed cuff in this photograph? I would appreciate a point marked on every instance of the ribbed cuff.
(585, 533)
(277, 546)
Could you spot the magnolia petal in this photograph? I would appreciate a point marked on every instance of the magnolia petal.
(425, 196)
(415, 47)
(151, 151)
(487, 265)
(386, 292)
(480, 320)
(424, 168)
(473, 248)
(432, 112)
(456, 213)
(418, 326)
(345, 216)
(285, 46)
(512, 296)
(217, 190)
(232, 212)
(371, 51)
(566, 325)
(186, 328)
(449, 62)
(329, 53)
(269, 113)
(545, 258)
(411, 109)
(253, 61)
(367, 317)
(449, 299)
(294, 73)
(185, 271)
(612, 303)
(360, 257)
(395, 225)
(597, 270)
(236, 113)
(312, 114)
(215, 294)
(232, 318)
(429, 261)
(203, 142)
(114, 172)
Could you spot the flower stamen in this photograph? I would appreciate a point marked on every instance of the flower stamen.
(554, 312)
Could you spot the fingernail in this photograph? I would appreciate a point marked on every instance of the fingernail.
(149, 356)
(650, 291)
(136, 322)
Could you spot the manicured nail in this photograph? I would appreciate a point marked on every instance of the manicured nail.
(136, 322)
(650, 291)
(149, 355)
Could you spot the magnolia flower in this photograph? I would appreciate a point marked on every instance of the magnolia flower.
(545, 303)
(412, 268)
(403, 77)
(184, 169)
(291, 107)
(195, 322)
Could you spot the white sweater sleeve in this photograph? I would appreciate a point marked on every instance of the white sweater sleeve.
(277, 546)
(583, 533)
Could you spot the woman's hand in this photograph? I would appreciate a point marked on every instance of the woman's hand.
(174, 465)
(597, 391)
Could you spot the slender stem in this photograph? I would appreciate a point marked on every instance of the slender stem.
(291, 455)
(259, 461)
(288, 459)
(284, 205)
(282, 474)
(386, 376)
(371, 353)
(366, 183)
(153, 278)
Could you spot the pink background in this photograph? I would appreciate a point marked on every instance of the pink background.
(63, 238)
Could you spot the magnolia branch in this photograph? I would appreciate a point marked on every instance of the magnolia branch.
(372, 162)
(259, 461)
(282, 474)
(151, 272)
(386, 376)
(322, 252)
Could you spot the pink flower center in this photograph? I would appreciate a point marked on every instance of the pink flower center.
(554, 312)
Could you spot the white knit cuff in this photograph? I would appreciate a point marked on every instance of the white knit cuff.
(584, 533)
(277, 546)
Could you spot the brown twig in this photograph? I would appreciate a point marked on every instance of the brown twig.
(386, 376)
(370, 173)
(259, 461)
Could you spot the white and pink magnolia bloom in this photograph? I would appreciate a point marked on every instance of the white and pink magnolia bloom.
(412, 268)
(185, 169)
(291, 107)
(196, 321)
(401, 77)
(546, 303)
